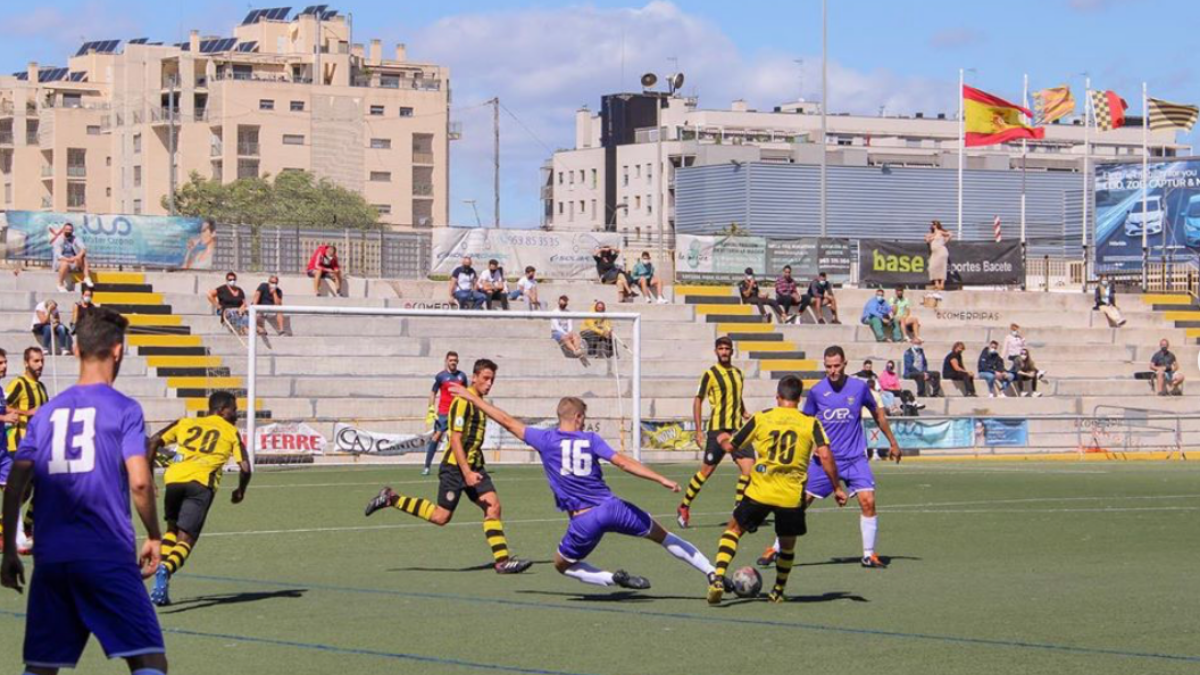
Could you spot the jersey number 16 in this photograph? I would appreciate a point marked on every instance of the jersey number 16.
(576, 461)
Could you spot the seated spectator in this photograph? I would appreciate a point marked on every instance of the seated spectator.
(751, 294)
(324, 265)
(788, 296)
(1168, 381)
(910, 325)
(877, 314)
(560, 330)
(230, 302)
(953, 369)
(993, 371)
(47, 326)
(464, 286)
(269, 294)
(1014, 343)
(493, 285)
(916, 368)
(1027, 372)
(597, 334)
(868, 374)
(611, 273)
(83, 306)
(887, 383)
(1106, 302)
(821, 292)
(527, 287)
(70, 255)
(647, 280)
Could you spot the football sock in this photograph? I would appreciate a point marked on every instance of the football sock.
(783, 567)
(493, 529)
(589, 575)
(868, 527)
(683, 550)
(742, 482)
(169, 541)
(726, 550)
(179, 555)
(693, 488)
(421, 508)
(430, 451)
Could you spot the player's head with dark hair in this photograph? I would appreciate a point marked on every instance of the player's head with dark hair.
(452, 361)
(224, 404)
(35, 360)
(529, 269)
(835, 363)
(572, 411)
(483, 375)
(100, 336)
(493, 263)
(835, 350)
(563, 301)
(724, 350)
(790, 389)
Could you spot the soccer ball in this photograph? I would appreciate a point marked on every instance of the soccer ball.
(747, 582)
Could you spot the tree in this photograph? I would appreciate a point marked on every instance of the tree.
(292, 199)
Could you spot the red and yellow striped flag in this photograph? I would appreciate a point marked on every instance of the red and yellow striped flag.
(1052, 104)
(989, 120)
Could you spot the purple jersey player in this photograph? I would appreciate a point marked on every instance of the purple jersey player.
(571, 459)
(85, 453)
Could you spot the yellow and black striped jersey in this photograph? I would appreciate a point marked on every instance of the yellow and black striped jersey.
(23, 393)
(205, 445)
(723, 388)
(784, 441)
(470, 421)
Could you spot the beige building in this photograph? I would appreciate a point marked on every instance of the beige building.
(610, 179)
(287, 92)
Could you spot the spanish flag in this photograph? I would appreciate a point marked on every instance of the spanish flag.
(989, 120)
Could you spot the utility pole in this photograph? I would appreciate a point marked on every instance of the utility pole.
(171, 145)
(496, 159)
(824, 113)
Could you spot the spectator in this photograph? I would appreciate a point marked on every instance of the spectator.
(916, 368)
(200, 249)
(993, 371)
(939, 256)
(560, 330)
(888, 384)
(269, 294)
(597, 334)
(1106, 302)
(611, 273)
(751, 294)
(821, 293)
(877, 314)
(1014, 343)
(527, 288)
(70, 255)
(83, 306)
(1168, 381)
(868, 374)
(910, 325)
(47, 326)
(644, 277)
(953, 369)
(464, 286)
(494, 286)
(324, 265)
(1027, 371)
(230, 302)
(788, 295)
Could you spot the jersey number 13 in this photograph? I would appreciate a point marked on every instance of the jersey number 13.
(84, 441)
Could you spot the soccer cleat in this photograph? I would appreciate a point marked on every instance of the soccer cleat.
(513, 566)
(717, 585)
(683, 516)
(425, 471)
(383, 500)
(873, 561)
(159, 594)
(776, 596)
(768, 557)
(626, 580)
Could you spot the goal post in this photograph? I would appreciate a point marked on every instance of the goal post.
(355, 375)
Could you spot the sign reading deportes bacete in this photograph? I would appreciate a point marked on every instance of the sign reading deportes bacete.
(971, 263)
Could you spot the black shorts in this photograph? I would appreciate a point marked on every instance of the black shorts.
(714, 453)
(749, 514)
(186, 506)
(451, 486)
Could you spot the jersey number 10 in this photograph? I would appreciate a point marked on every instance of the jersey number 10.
(783, 447)
(576, 461)
(84, 441)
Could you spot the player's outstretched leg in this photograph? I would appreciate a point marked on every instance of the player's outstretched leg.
(683, 513)
(783, 567)
(868, 525)
(598, 577)
(726, 551)
(680, 548)
(493, 530)
(414, 506)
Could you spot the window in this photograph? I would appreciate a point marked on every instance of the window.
(406, 111)
(561, 178)
(649, 205)
(266, 104)
(649, 174)
(293, 139)
(137, 176)
(381, 144)
(381, 176)
(7, 192)
(72, 100)
(422, 212)
(572, 178)
(377, 110)
(582, 208)
(594, 179)
(422, 148)
(76, 195)
(637, 170)
(137, 207)
(108, 161)
(137, 144)
(625, 175)
(383, 209)
(247, 168)
(297, 106)
(637, 203)
(561, 209)
(93, 130)
(389, 81)
(593, 209)
(107, 192)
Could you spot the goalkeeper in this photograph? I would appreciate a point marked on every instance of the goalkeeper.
(441, 398)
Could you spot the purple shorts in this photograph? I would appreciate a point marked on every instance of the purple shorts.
(6, 463)
(614, 515)
(69, 602)
(855, 474)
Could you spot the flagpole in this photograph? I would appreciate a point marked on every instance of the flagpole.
(1024, 151)
(1088, 118)
(1145, 184)
(962, 142)
(824, 113)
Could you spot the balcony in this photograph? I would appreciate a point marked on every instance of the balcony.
(47, 202)
(422, 189)
(76, 202)
(47, 172)
(77, 171)
(422, 157)
(216, 149)
(6, 109)
(6, 138)
(247, 148)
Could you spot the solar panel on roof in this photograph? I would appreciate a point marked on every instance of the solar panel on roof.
(52, 74)
(21, 76)
(329, 15)
(185, 46)
(247, 47)
(139, 41)
(79, 77)
(252, 17)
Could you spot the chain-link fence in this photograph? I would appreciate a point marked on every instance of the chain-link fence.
(362, 253)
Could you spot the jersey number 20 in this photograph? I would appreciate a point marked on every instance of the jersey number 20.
(84, 441)
(576, 461)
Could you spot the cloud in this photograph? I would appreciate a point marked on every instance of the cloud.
(956, 38)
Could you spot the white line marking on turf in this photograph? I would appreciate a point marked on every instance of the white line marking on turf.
(1035, 500)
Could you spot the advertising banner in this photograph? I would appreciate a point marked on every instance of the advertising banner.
(721, 258)
(669, 435)
(166, 242)
(810, 255)
(287, 438)
(556, 255)
(924, 435)
(1011, 433)
(971, 263)
(357, 441)
(1170, 221)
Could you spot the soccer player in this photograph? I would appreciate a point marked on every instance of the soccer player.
(7, 417)
(784, 442)
(722, 386)
(462, 471)
(571, 459)
(837, 401)
(203, 445)
(440, 396)
(24, 396)
(85, 454)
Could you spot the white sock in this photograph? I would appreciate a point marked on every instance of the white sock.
(775, 546)
(22, 540)
(868, 527)
(683, 550)
(589, 575)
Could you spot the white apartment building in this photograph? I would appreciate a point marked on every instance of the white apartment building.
(610, 180)
(289, 91)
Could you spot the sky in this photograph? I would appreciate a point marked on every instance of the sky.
(545, 60)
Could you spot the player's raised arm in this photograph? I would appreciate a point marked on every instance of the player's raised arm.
(515, 426)
(635, 468)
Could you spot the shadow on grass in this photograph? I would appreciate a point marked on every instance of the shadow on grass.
(206, 601)
(615, 596)
(831, 596)
(887, 560)
(485, 567)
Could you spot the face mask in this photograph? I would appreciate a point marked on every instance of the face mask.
(879, 298)
(1016, 333)
(87, 299)
(70, 236)
(231, 282)
(271, 286)
(991, 351)
(890, 368)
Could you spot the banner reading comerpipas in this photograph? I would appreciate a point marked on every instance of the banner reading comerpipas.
(556, 255)
(971, 263)
(167, 242)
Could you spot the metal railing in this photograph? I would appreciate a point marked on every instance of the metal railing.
(1043, 273)
(423, 189)
(76, 171)
(247, 149)
(422, 157)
